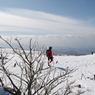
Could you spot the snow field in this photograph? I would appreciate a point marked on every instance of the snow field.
(83, 76)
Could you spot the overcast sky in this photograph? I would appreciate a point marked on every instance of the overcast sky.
(57, 23)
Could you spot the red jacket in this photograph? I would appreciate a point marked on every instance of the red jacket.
(51, 55)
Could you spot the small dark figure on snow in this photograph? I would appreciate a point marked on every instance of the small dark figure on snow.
(92, 53)
(49, 54)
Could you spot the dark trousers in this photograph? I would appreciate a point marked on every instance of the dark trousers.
(50, 58)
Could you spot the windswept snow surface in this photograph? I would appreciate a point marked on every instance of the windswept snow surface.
(84, 67)
(83, 75)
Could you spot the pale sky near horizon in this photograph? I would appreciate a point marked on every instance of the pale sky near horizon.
(63, 23)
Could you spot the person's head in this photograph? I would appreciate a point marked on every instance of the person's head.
(50, 47)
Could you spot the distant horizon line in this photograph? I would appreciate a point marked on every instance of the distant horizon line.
(61, 52)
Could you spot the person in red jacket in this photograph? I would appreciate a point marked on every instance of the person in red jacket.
(49, 55)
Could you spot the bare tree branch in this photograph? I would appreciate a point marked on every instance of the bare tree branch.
(35, 77)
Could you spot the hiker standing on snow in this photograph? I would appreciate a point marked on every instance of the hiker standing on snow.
(49, 55)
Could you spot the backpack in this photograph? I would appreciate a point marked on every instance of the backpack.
(47, 52)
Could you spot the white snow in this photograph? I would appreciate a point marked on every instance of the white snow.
(83, 75)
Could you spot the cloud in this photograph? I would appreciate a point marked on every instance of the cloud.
(68, 44)
(34, 22)
(67, 41)
(51, 30)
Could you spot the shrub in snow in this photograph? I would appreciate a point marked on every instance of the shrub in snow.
(26, 73)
